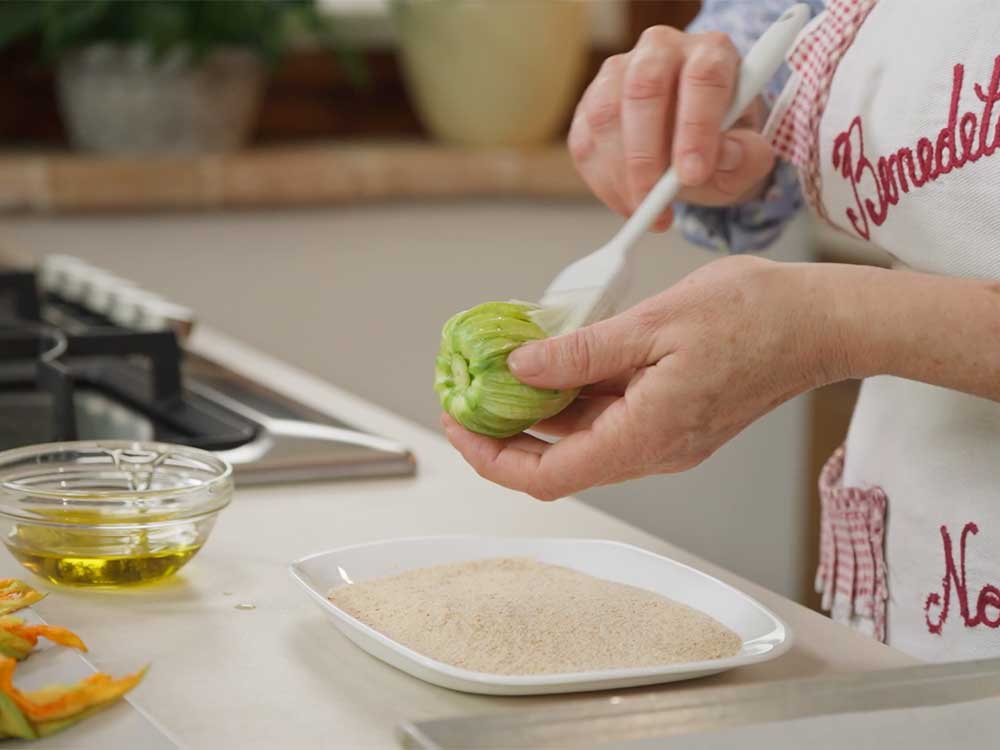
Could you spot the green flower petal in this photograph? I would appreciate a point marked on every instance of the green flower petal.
(471, 376)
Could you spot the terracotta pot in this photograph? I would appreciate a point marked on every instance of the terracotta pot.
(118, 100)
(493, 72)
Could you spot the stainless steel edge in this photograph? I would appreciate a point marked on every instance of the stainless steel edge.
(296, 443)
(609, 721)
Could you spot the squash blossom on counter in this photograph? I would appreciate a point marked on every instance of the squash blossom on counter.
(15, 595)
(40, 713)
(471, 376)
(17, 638)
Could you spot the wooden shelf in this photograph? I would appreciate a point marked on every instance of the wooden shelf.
(282, 176)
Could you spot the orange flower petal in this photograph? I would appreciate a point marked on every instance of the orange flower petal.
(15, 595)
(63, 701)
(31, 633)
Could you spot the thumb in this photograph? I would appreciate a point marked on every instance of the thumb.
(585, 356)
(746, 158)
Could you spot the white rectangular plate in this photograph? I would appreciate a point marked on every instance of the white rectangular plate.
(764, 635)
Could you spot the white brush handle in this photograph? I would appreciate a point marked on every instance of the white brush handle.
(757, 68)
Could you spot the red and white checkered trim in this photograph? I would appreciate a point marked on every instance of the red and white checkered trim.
(814, 60)
(852, 572)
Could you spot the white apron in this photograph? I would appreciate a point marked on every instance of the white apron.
(893, 118)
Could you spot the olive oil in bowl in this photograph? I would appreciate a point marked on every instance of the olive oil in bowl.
(127, 570)
(106, 514)
(82, 552)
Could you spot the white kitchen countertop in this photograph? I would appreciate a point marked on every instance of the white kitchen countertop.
(280, 674)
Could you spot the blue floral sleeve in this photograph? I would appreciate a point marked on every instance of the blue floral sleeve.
(755, 225)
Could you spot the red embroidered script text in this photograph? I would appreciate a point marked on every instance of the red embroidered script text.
(877, 185)
(940, 602)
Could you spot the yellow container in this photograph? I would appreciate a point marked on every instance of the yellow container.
(493, 72)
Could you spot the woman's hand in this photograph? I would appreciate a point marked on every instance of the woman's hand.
(670, 380)
(662, 103)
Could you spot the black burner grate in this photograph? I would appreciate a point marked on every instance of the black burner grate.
(19, 290)
(52, 346)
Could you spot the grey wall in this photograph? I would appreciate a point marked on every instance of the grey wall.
(358, 295)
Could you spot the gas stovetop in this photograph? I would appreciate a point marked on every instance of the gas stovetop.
(85, 355)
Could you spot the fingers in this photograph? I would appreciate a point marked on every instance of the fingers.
(746, 158)
(595, 139)
(664, 103)
(549, 471)
(648, 95)
(579, 415)
(589, 355)
(506, 462)
(613, 386)
(707, 82)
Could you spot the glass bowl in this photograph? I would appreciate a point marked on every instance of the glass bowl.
(109, 512)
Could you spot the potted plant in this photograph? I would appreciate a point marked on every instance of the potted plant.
(493, 72)
(163, 76)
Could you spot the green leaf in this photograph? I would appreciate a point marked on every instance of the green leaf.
(18, 19)
(161, 25)
(71, 24)
(264, 26)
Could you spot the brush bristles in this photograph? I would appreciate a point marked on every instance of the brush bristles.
(567, 311)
